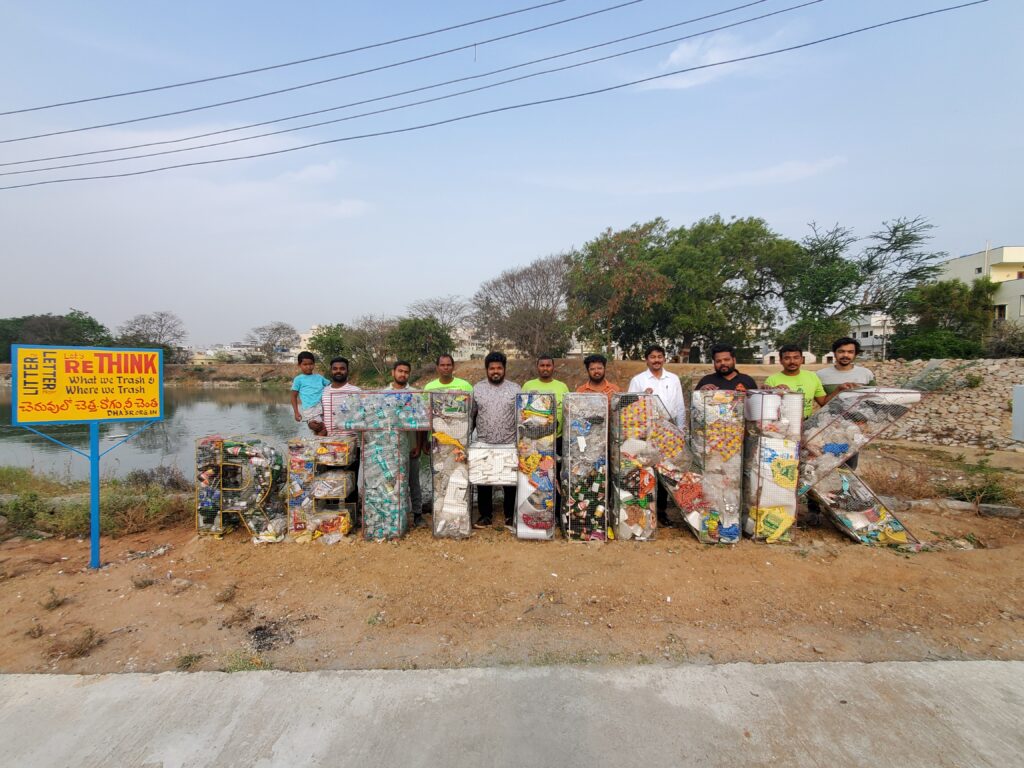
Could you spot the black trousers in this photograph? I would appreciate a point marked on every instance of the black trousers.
(485, 503)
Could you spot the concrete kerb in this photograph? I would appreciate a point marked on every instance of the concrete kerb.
(798, 714)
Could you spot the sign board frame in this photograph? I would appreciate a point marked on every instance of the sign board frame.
(54, 417)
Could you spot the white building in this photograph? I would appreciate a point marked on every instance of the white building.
(1003, 265)
(873, 332)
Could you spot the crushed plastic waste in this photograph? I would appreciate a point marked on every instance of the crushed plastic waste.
(634, 461)
(386, 504)
(711, 496)
(322, 498)
(451, 414)
(493, 464)
(771, 462)
(585, 515)
(241, 477)
(535, 489)
(384, 409)
(858, 512)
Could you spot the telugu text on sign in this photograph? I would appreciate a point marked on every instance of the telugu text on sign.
(71, 384)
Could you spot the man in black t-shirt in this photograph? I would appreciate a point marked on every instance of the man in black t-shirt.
(726, 376)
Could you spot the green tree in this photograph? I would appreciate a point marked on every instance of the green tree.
(330, 341)
(728, 279)
(614, 288)
(814, 333)
(75, 329)
(420, 340)
(945, 319)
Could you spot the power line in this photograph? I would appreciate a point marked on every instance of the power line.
(253, 71)
(511, 107)
(436, 98)
(394, 94)
(292, 88)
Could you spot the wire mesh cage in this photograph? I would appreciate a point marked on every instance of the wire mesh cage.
(847, 423)
(491, 464)
(400, 409)
(711, 497)
(241, 477)
(536, 425)
(858, 512)
(451, 420)
(386, 504)
(634, 459)
(322, 494)
(771, 462)
(585, 515)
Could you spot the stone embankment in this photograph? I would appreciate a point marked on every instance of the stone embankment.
(970, 405)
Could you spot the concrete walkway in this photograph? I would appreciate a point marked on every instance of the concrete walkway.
(840, 714)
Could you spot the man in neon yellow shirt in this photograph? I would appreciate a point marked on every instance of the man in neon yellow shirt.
(545, 382)
(792, 378)
(446, 379)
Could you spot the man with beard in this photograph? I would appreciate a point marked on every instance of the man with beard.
(400, 373)
(792, 378)
(844, 375)
(596, 383)
(494, 415)
(723, 357)
(339, 384)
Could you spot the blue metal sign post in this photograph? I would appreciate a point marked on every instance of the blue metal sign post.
(87, 385)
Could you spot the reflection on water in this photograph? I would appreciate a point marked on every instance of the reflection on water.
(188, 414)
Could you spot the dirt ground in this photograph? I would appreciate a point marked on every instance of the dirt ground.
(492, 600)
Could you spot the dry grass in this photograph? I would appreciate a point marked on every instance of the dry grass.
(141, 582)
(35, 631)
(239, 616)
(187, 661)
(53, 601)
(75, 647)
(900, 479)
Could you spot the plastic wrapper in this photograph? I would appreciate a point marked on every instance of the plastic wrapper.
(493, 464)
(384, 409)
(771, 463)
(322, 499)
(585, 515)
(845, 425)
(634, 460)
(711, 495)
(240, 476)
(536, 424)
(386, 504)
(858, 512)
(451, 416)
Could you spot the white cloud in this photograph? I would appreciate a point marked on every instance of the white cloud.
(712, 49)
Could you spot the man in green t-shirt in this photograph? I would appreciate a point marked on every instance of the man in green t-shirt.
(545, 382)
(792, 378)
(446, 379)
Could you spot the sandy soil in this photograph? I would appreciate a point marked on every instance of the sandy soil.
(493, 600)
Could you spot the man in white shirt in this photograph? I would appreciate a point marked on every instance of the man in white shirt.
(665, 384)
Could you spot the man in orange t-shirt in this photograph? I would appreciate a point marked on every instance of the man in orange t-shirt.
(595, 366)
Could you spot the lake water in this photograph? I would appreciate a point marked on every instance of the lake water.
(188, 414)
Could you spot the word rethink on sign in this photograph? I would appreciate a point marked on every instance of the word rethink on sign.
(70, 384)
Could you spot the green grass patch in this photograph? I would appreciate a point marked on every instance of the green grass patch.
(22, 480)
(243, 661)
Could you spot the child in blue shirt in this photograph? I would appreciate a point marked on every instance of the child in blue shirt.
(307, 388)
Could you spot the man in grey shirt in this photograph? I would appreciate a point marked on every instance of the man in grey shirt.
(844, 375)
(494, 413)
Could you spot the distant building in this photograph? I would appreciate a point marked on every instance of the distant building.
(873, 332)
(1003, 265)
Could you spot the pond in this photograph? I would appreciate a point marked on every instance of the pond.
(189, 413)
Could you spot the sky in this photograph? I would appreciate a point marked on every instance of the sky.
(922, 118)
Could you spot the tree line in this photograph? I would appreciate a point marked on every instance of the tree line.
(717, 280)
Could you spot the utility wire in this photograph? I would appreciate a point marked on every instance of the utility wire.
(394, 94)
(289, 89)
(253, 71)
(511, 107)
(436, 98)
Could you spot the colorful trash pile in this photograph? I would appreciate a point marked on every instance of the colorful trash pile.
(386, 503)
(322, 496)
(634, 459)
(536, 424)
(241, 476)
(845, 425)
(771, 462)
(857, 511)
(451, 413)
(711, 496)
(585, 467)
